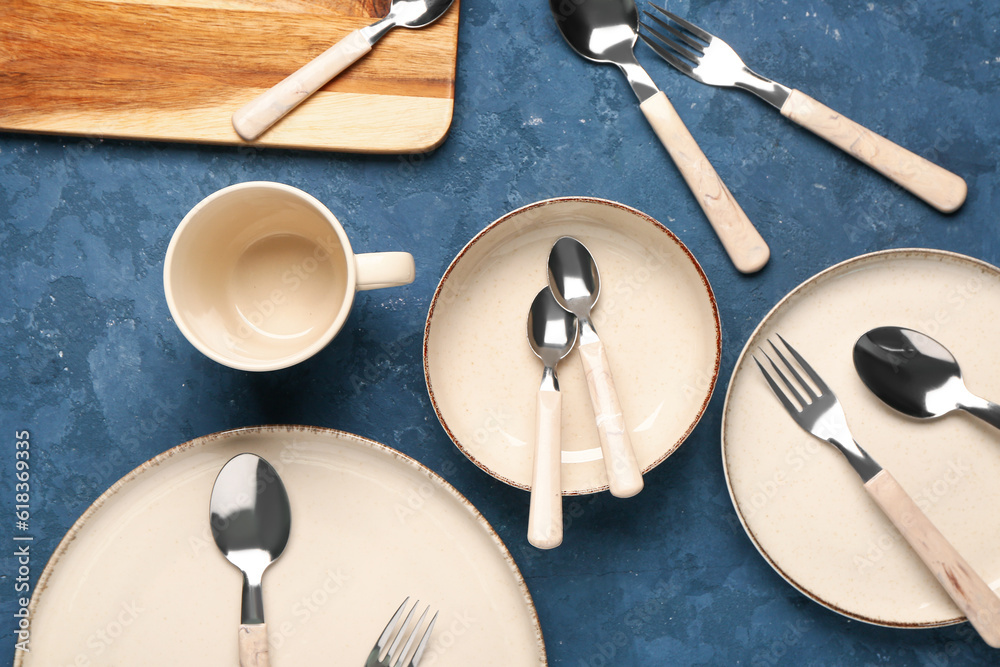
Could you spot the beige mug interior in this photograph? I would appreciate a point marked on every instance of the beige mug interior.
(259, 276)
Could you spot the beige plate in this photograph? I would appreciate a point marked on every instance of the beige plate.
(800, 501)
(656, 315)
(139, 581)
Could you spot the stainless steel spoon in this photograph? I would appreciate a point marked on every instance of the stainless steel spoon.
(257, 116)
(605, 31)
(576, 285)
(250, 519)
(551, 333)
(916, 375)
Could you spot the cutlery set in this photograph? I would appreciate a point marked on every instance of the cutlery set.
(814, 407)
(559, 316)
(271, 326)
(250, 519)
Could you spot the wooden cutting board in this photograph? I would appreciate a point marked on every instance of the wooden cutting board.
(176, 70)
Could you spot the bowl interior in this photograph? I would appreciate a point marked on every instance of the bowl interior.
(259, 278)
(656, 316)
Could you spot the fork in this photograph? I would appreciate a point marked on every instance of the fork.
(816, 409)
(394, 628)
(708, 59)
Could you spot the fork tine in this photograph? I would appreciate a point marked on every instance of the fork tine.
(390, 626)
(399, 635)
(419, 653)
(822, 386)
(792, 389)
(693, 43)
(792, 408)
(665, 54)
(687, 25)
(791, 369)
(413, 635)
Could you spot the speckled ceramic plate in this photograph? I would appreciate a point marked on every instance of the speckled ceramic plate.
(656, 315)
(799, 500)
(139, 581)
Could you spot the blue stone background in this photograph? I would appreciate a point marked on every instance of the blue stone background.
(93, 366)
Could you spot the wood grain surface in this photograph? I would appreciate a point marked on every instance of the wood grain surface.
(177, 70)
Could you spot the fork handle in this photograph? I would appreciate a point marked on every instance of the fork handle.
(272, 105)
(624, 475)
(966, 588)
(937, 186)
(253, 646)
(545, 529)
(743, 243)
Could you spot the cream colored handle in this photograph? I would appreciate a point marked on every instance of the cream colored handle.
(545, 529)
(271, 106)
(937, 186)
(384, 269)
(743, 243)
(624, 476)
(253, 646)
(966, 588)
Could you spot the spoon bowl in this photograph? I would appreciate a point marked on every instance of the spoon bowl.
(250, 519)
(600, 31)
(916, 375)
(551, 329)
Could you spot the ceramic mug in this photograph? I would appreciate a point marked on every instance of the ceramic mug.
(260, 276)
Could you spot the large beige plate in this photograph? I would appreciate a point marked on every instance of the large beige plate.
(656, 315)
(139, 581)
(800, 501)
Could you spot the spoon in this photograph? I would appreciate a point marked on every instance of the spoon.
(916, 375)
(576, 284)
(250, 520)
(605, 31)
(257, 116)
(551, 334)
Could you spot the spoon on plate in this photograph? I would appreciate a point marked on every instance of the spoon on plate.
(916, 375)
(250, 519)
(551, 333)
(258, 115)
(605, 31)
(576, 285)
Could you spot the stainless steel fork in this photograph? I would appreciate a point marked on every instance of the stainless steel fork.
(815, 408)
(394, 657)
(708, 59)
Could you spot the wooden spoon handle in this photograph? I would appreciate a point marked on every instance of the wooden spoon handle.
(743, 243)
(624, 475)
(937, 186)
(966, 588)
(253, 646)
(545, 529)
(258, 115)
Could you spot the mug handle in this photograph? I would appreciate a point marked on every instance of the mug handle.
(384, 269)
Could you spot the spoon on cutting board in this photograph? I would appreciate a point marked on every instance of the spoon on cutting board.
(250, 519)
(605, 31)
(257, 116)
(576, 285)
(916, 375)
(551, 334)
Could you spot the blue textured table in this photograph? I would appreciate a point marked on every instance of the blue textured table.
(95, 369)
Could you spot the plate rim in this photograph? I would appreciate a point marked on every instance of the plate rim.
(539, 204)
(207, 440)
(840, 266)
